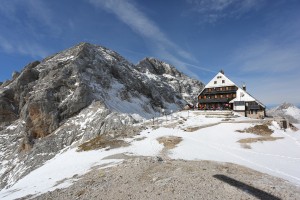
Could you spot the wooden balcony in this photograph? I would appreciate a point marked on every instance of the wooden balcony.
(212, 92)
(220, 100)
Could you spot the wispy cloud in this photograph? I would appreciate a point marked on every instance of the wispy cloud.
(274, 89)
(271, 61)
(128, 13)
(6, 45)
(275, 51)
(24, 24)
(39, 11)
(23, 47)
(213, 10)
(30, 10)
(267, 56)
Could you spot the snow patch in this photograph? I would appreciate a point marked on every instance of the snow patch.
(216, 141)
(66, 58)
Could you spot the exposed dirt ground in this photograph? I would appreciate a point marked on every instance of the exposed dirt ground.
(264, 132)
(164, 178)
(100, 142)
(259, 139)
(155, 178)
(169, 142)
(261, 129)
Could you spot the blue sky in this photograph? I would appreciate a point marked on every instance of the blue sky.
(253, 41)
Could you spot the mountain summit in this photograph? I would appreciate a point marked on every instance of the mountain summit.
(287, 110)
(76, 95)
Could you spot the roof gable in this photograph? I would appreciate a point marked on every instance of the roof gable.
(242, 95)
(220, 80)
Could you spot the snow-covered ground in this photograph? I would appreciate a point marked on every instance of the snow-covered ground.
(279, 158)
(293, 111)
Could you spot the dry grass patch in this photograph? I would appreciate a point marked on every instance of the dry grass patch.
(262, 130)
(171, 125)
(258, 139)
(100, 142)
(246, 145)
(192, 129)
(169, 142)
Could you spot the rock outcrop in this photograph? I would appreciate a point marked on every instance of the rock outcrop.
(76, 95)
(166, 73)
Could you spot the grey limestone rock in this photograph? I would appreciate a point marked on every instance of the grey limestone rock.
(15, 74)
(184, 86)
(76, 95)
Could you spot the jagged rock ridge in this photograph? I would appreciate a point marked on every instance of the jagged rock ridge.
(77, 94)
(166, 73)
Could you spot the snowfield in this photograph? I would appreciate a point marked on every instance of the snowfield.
(218, 142)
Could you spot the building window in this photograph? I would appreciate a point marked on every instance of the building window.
(233, 95)
(216, 96)
(215, 82)
(223, 81)
(239, 103)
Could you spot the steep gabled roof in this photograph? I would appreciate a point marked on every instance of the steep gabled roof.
(219, 77)
(218, 80)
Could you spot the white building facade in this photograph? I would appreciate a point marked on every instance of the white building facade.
(222, 94)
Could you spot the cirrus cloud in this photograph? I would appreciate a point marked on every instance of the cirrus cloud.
(24, 24)
(213, 10)
(127, 12)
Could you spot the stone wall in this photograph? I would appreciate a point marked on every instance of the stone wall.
(260, 114)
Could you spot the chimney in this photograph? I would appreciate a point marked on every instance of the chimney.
(244, 87)
(222, 71)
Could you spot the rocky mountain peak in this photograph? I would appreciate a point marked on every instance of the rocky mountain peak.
(286, 110)
(158, 67)
(285, 105)
(78, 94)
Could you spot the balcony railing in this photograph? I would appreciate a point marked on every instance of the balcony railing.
(220, 100)
(219, 92)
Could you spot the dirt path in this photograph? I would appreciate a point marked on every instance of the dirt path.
(195, 128)
(155, 178)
